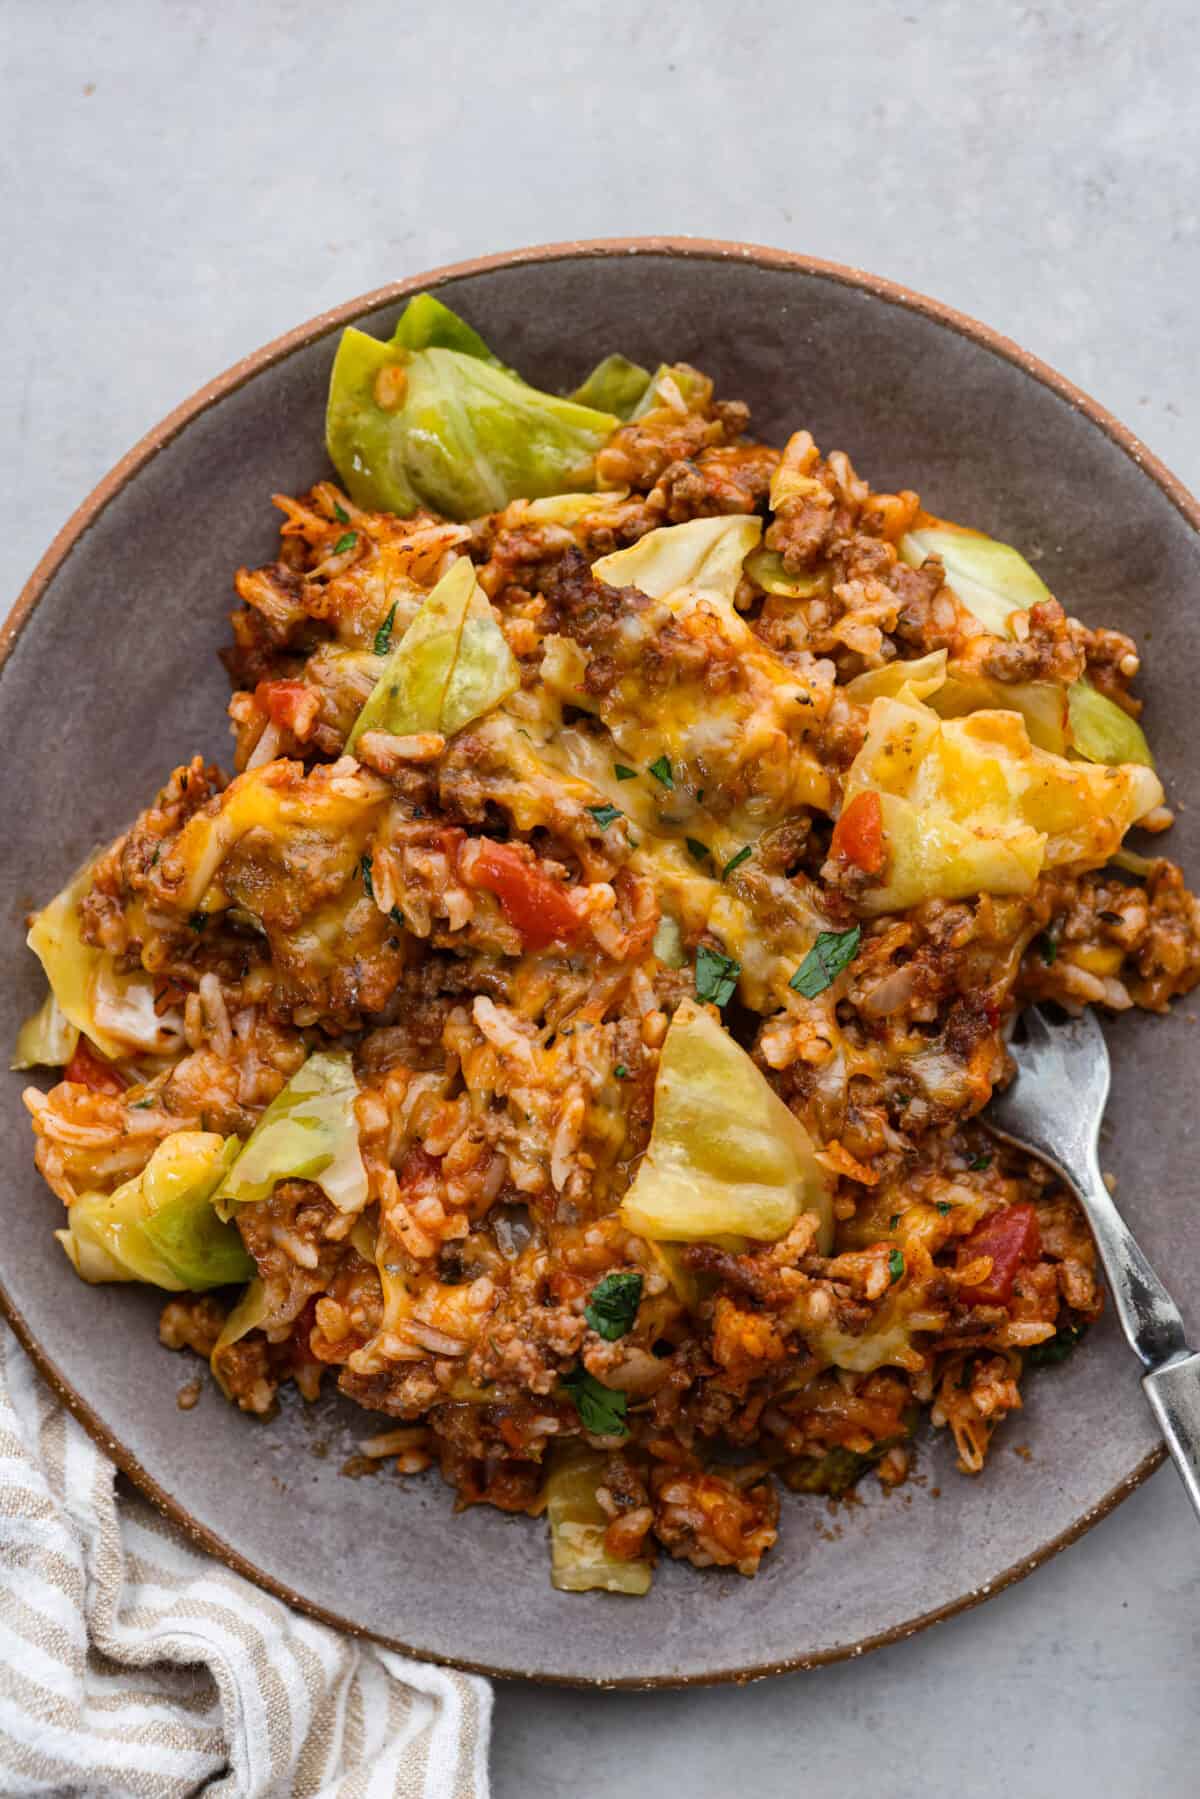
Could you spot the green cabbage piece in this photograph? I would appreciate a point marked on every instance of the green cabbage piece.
(668, 942)
(579, 1561)
(694, 388)
(248, 1314)
(427, 323)
(991, 579)
(115, 1010)
(568, 508)
(705, 556)
(766, 567)
(467, 438)
(47, 1039)
(1100, 729)
(160, 1227)
(1042, 704)
(70, 964)
(308, 1132)
(614, 385)
(452, 665)
(922, 676)
(73, 967)
(726, 1157)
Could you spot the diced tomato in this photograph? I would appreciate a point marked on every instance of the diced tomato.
(858, 834)
(88, 1069)
(289, 704)
(537, 907)
(1012, 1239)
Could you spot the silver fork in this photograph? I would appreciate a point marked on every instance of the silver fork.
(1054, 1108)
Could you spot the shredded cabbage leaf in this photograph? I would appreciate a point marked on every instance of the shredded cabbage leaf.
(704, 556)
(249, 1314)
(308, 1132)
(568, 508)
(766, 567)
(953, 690)
(726, 1156)
(452, 665)
(923, 676)
(1042, 704)
(670, 383)
(993, 581)
(579, 1562)
(117, 1011)
(427, 323)
(668, 942)
(971, 806)
(887, 1342)
(47, 1039)
(1103, 731)
(449, 429)
(614, 385)
(160, 1227)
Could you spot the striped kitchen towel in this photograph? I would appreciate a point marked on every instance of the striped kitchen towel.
(131, 1664)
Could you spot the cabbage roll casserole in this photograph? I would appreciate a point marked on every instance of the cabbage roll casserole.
(566, 1029)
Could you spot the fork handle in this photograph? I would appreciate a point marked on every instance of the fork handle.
(1174, 1394)
(1149, 1316)
(1152, 1323)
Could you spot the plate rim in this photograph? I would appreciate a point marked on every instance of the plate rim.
(85, 515)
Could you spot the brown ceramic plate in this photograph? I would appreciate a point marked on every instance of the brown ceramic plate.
(111, 677)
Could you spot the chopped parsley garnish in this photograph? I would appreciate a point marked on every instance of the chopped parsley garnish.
(716, 976)
(1056, 1348)
(1047, 949)
(743, 855)
(397, 916)
(661, 770)
(346, 542)
(368, 884)
(833, 951)
(624, 774)
(197, 920)
(142, 1105)
(697, 849)
(605, 815)
(978, 1163)
(340, 514)
(601, 1411)
(383, 637)
(896, 1264)
(613, 1305)
(621, 1072)
(944, 1206)
(893, 1221)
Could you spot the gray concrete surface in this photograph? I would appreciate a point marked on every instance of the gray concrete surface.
(183, 181)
